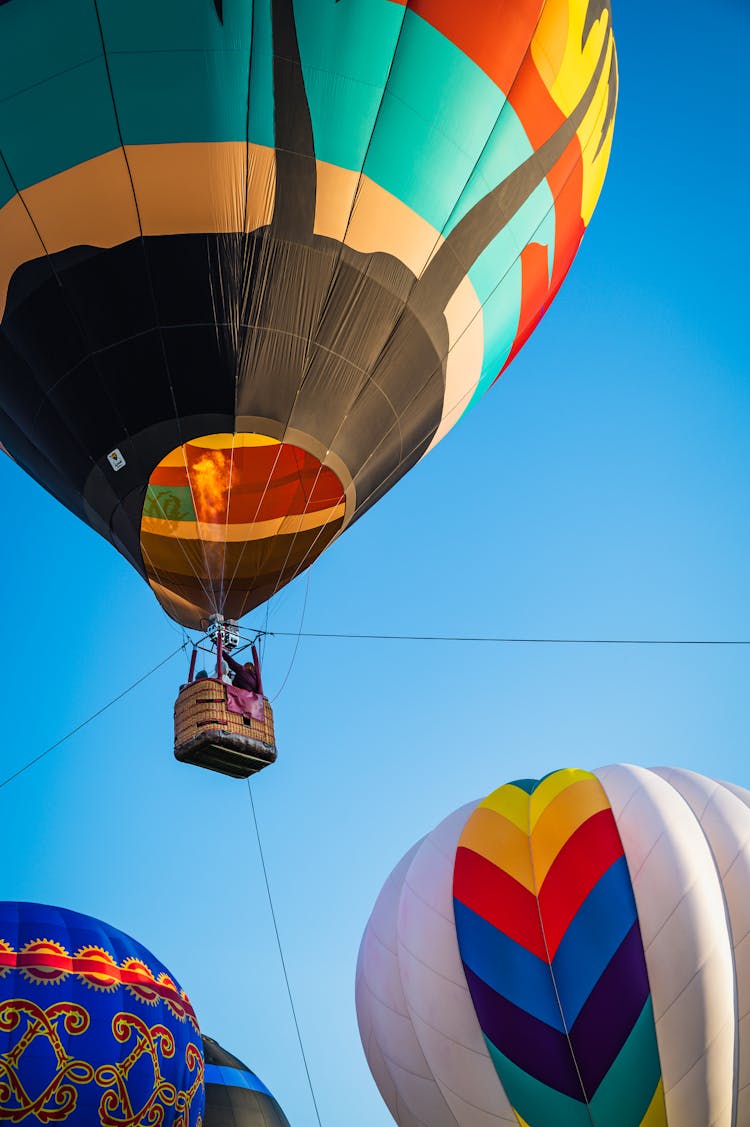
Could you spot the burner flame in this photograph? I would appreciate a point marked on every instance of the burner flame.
(209, 480)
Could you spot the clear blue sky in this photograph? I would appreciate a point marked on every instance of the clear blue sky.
(602, 489)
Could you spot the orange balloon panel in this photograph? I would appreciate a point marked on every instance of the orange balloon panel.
(228, 519)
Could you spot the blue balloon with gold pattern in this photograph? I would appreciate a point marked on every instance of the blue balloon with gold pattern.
(93, 1028)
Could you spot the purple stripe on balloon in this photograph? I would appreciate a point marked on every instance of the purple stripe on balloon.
(537, 1048)
(610, 1012)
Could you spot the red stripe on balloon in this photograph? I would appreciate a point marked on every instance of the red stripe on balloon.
(497, 897)
(174, 477)
(252, 484)
(580, 864)
(493, 33)
(42, 961)
(534, 291)
(541, 117)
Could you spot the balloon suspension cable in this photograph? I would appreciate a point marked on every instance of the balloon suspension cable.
(247, 640)
(288, 673)
(84, 723)
(258, 671)
(507, 640)
(251, 643)
(252, 636)
(281, 955)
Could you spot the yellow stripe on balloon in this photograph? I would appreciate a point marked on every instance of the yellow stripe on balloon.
(512, 802)
(232, 441)
(566, 68)
(656, 1116)
(550, 41)
(595, 164)
(226, 532)
(578, 66)
(523, 834)
(227, 442)
(551, 788)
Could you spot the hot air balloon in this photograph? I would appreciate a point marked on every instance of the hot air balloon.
(93, 1028)
(258, 256)
(235, 1097)
(570, 951)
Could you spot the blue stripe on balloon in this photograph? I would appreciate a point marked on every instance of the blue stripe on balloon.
(506, 966)
(532, 1045)
(527, 785)
(601, 924)
(235, 1078)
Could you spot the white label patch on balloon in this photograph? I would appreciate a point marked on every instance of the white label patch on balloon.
(116, 459)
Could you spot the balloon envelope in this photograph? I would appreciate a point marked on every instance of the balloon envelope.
(235, 1097)
(257, 257)
(93, 1028)
(567, 952)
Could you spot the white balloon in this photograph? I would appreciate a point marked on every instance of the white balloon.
(686, 841)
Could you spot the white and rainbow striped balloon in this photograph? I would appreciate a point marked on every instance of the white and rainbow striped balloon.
(572, 952)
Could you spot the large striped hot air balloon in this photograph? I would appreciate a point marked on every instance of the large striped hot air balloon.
(93, 1028)
(258, 256)
(569, 952)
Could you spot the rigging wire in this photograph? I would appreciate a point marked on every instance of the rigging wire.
(281, 953)
(507, 639)
(262, 636)
(94, 716)
(296, 644)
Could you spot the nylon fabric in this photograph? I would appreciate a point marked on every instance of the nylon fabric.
(421, 979)
(235, 1097)
(391, 1045)
(326, 223)
(606, 963)
(467, 398)
(686, 944)
(564, 1031)
(723, 818)
(88, 1017)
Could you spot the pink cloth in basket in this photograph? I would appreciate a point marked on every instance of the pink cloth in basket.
(245, 702)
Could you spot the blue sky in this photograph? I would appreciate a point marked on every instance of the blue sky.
(602, 489)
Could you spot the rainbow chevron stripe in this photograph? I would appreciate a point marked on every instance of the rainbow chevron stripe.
(551, 945)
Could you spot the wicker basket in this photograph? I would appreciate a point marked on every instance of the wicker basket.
(208, 734)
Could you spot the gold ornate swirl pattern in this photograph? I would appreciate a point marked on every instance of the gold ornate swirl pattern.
(123, 1071)
(194, 1062)
(115, 1107)
(59, 1096)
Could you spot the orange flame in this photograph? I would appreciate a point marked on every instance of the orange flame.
(209, 479)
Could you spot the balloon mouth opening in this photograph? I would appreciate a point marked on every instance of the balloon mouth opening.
(229, 519)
